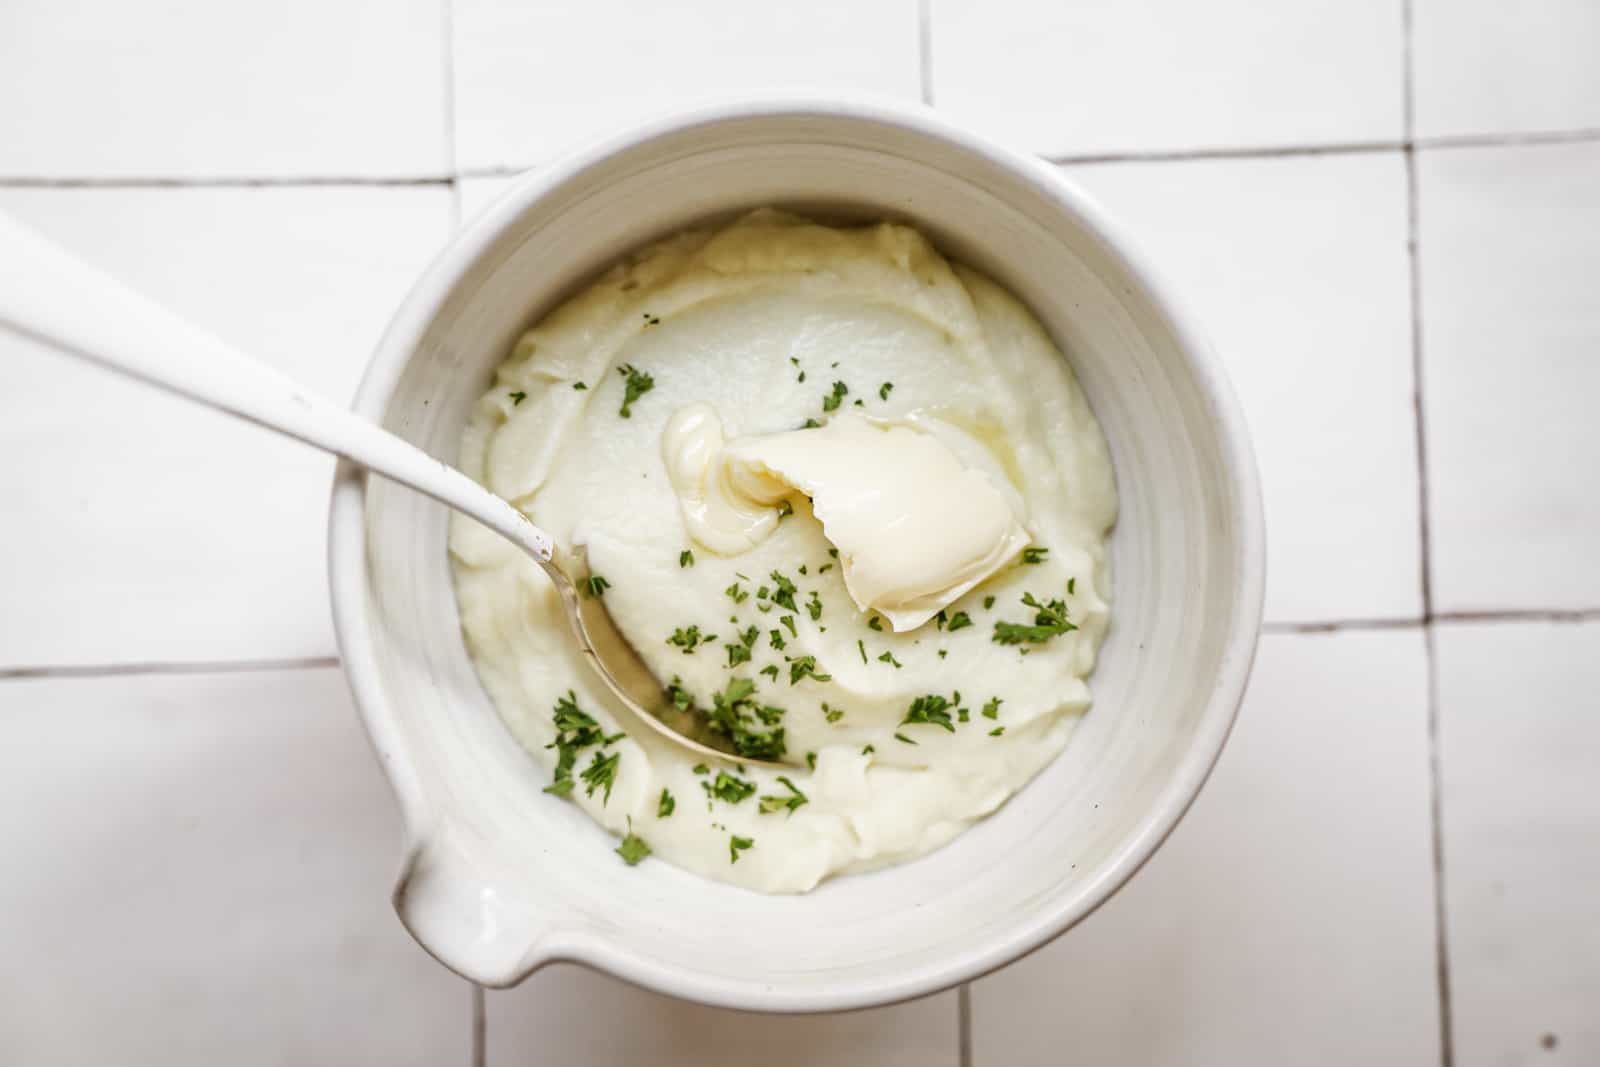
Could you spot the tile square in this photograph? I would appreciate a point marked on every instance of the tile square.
(570, 1014)
(534, 79)
(200, 875)
(1492, 68)
(158, 531)
(1297, 267)
(1518, 733)
(1290, 917)
(1510, 249)
(193, 89)
(1116, 76)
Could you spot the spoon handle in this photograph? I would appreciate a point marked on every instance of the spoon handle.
(53, 298)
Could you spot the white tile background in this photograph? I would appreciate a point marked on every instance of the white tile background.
(1388, 212)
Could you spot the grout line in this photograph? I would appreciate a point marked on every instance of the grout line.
(1528, 615)
(964, 1025)
(448, 32)
(110, 670)
(1268, 152)
(313, 181)
(480, 1028)
(1441, 941)
(925, 49)
(1335, 625)
(1508, 140)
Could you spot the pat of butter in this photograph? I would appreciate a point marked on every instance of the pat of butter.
(915, 529)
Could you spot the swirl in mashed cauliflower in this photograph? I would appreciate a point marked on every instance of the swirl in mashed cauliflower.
(844, 497)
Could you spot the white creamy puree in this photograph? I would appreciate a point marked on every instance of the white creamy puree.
(786, 570)
(914, 528)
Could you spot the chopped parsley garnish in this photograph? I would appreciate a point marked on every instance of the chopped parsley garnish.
(594, 586)
(884, 390)
(788, 620)
(776, 637)
(833, 553)
(518, 397)
(771, 671)
(579, 386)
(785, 509)
(739, 652)
(701, 768)
(943, 652)
(1049, 620)
(832, 400)
(736, 845)
(601, 774)
(1072, 586)
(997, 731)
(962, 715)
(688, 638)
(736, 594)
(802, 569)
(666, 805)
(860, 403)
(991, 710)
(811, 760)
(741, 720)
(861, 646)
(810, 424)
(729, 789)
(867, 750)
(939, 620)
(814, 606)
(633, 849)
(575, 731)
(637, 383)
(652, 320)
(1034, 554)
(795, 799)
(875, 623)
(888, 657)
(806, 666)
(831, 714)
(988, 602)
(825, 568)
(931, 709)
(960, 620)
(686, 558)
(784, 596)
(903, 737)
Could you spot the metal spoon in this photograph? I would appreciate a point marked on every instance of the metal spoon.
(51, 297)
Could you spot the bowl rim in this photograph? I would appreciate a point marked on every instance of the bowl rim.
(421, 305)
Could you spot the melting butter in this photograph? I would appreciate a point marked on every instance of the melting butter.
(915, 528)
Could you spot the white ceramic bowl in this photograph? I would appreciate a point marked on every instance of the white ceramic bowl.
(500, 878)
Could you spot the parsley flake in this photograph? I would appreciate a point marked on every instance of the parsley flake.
(960, 620)
(728, 789)
(686, 558)
(736, 845)
(1050, 620)
(988, 602)
(814, 606)
(991, 710)
(931, 709)
(594, 586)
(601, 774)
(688, 638)
(794, 800)
(888, 657)
(1034, 554)
(875, 623)
(633, 849)
(518, 397)
(832, 400)
(884, 390)
(831, 714)
(636, 384)
(666, 805)
(806, 666)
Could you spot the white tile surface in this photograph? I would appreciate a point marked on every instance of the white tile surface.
(1289, 919)
(475, 194)
(1519, 731)
(156, 531)
(1510, 250)
(1143, 75)
(1484, 67)
(189, 88)
(568, 1014)
(533, 79)
(197, 871)
(1297, 267)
